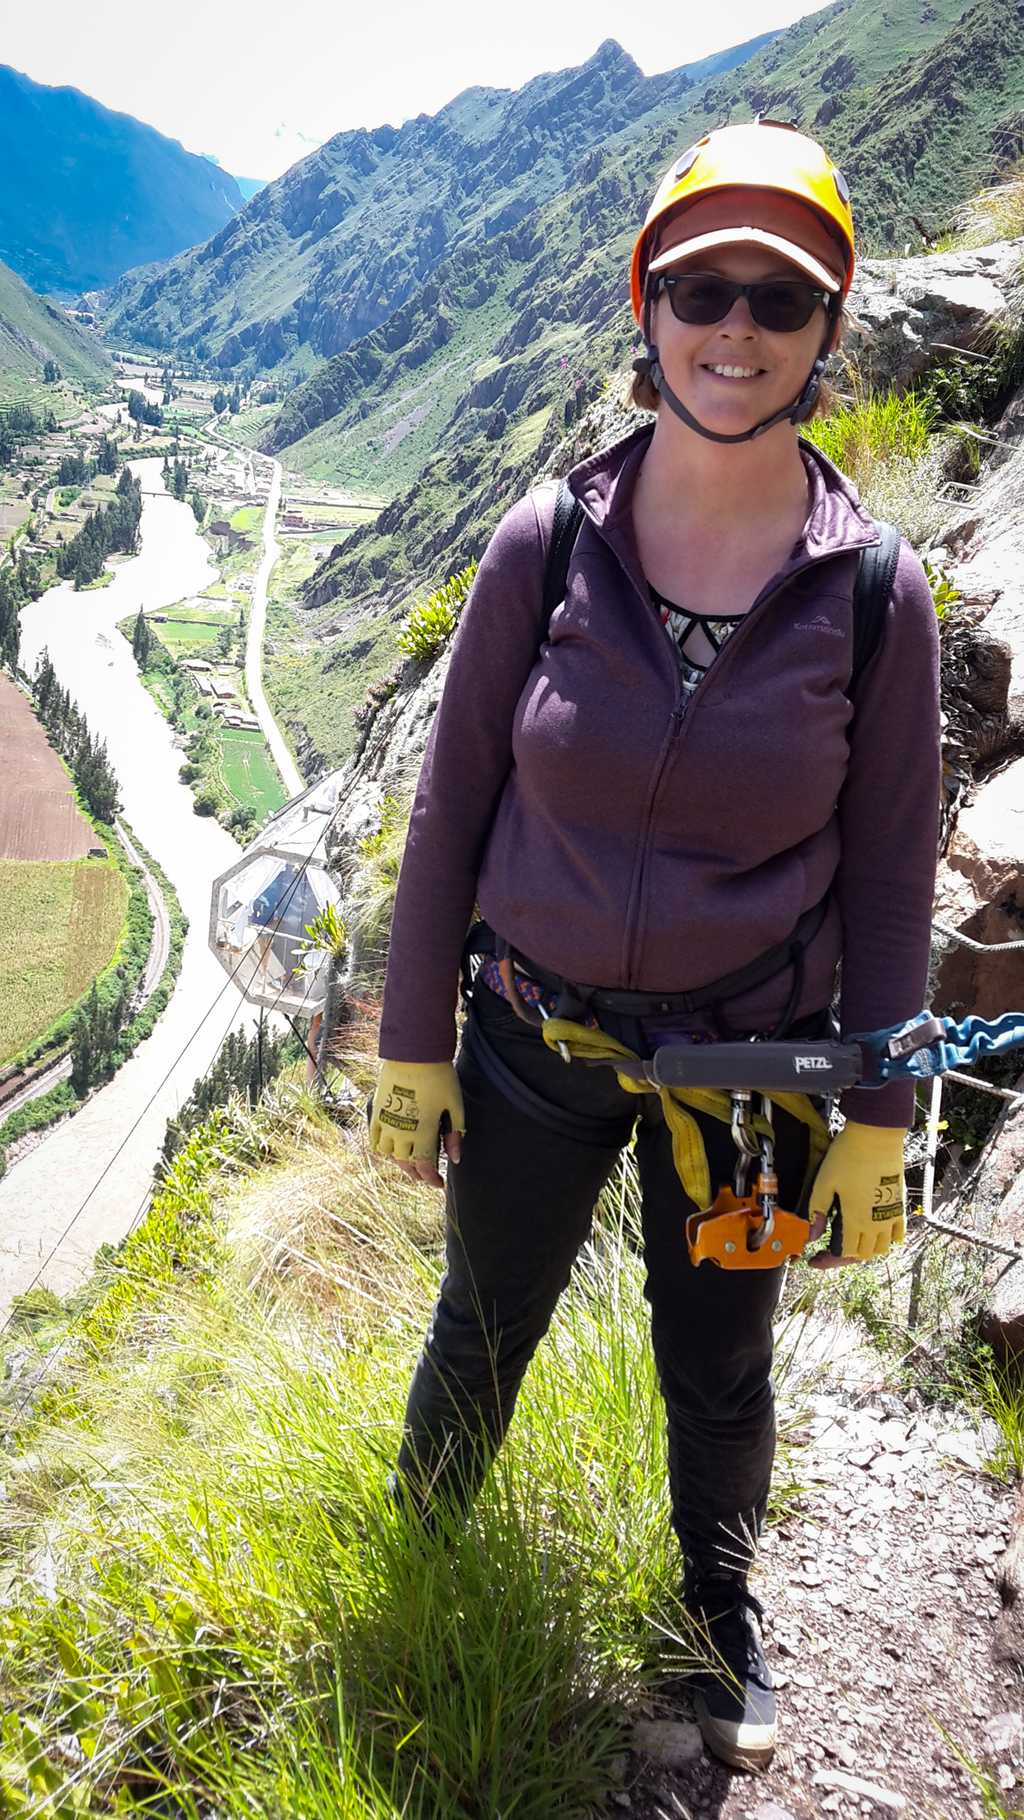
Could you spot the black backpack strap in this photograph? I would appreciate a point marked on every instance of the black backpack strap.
(564, 532)
(875, 576)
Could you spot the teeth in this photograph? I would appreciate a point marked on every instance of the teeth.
(736, 372)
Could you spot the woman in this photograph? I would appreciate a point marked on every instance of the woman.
(652, 801)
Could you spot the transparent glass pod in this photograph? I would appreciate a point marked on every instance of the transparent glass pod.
(261, 907)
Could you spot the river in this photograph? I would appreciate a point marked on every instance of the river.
(95, 1169)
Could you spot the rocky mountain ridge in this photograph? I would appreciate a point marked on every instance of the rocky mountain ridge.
(465, 387)
(88, 192)
(331, 250)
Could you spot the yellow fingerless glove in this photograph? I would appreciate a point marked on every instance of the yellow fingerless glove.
(409, 1103)
(861, 1177)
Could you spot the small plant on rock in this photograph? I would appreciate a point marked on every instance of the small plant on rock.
(432, 622)
(945, 593)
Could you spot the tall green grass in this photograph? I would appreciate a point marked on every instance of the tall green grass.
(213, 1606)
(872, 429)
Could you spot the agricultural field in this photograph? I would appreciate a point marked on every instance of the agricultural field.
(247, 772)
(40, 820)
(60, 922)
(61, 911)
(188, 636)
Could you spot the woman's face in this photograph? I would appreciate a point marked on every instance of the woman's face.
(734, 373)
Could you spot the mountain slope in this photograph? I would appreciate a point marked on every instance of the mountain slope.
(32, 331)
(507, 339)
(328, 252)
(88, 192)
(537, 319)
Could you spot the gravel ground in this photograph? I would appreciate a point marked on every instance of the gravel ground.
(880, 1599)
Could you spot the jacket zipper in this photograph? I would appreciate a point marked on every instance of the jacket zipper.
(681, 712)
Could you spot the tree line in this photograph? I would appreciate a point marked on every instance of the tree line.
(76, 470)
(108, 528)
(17, 424)
(244, 1065)
(141, 411)
(95, 1037)
(20, 582)
(69, 734)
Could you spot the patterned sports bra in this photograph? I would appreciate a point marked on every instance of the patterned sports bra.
(680, 626)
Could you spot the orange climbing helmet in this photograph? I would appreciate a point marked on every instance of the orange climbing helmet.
(761, 154)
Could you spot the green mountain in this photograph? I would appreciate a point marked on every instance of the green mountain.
(472, 334)
(332, 250)
(33, 331)
(88, 192)
(466, 387)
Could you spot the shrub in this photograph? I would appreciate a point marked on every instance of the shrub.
(994, 214)
(944, 593)
(432, 622)
(377, 694)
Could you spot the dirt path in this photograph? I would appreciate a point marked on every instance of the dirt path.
(293, 780)
(881, 1600)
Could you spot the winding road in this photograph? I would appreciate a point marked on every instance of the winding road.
(292, 778)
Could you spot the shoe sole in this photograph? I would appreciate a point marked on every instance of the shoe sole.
(724, 1742)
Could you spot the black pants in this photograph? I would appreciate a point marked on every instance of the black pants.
(518, 1208)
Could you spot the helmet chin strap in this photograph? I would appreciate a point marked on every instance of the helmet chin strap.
(650, 366)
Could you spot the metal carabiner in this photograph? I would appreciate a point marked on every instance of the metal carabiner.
(744, 1137)
(563, 1048)
(768, 1183)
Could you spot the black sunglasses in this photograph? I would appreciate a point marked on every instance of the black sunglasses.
(780, 304)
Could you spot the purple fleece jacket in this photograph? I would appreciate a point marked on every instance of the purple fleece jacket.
(621, 840)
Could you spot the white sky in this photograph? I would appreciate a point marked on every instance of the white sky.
(260, 86)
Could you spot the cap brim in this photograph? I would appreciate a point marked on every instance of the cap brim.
(749, 236)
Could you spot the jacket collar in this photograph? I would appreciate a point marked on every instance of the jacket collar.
(836, 522)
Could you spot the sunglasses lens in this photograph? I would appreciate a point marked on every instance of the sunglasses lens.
(783, 307)
(780, 305)
(700, 297)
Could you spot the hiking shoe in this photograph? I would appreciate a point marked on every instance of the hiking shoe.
(734, 1697)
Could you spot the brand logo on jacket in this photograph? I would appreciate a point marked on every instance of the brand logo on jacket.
(821, 624)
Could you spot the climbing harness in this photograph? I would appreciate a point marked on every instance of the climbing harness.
(722, 1230)
(749, 1231)
(741, 1227)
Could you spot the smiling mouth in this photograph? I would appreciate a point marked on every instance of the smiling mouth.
(731, 372)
